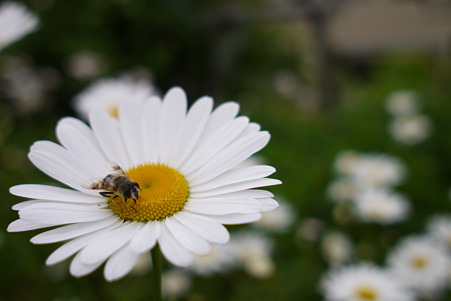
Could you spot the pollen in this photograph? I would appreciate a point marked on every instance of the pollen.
(113, 111)
(163, 192)
(366, 293)
(419, 262)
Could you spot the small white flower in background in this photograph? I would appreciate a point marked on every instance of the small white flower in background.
(411, 129)
(184, 163)
(343, 190)
(84, 65)
(310, 228)
(279, 219)
(286, 84)
(378, 170)
(402, 102)
(422, 263)
(175, 284)
(253, 251)
(381, 206)
(16, 21)
(220, 259)
(363, 282)
(346, 161)
(143, 265)
(439, 227)
(108, 93)
(336, 248)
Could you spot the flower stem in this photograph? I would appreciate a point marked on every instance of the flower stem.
(157, 270)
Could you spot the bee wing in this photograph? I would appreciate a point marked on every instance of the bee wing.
(93, 184)
(116, 168)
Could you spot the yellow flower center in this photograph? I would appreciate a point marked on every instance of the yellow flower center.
(163, 192)
(419, 262)
(366, 293)
(113, 111)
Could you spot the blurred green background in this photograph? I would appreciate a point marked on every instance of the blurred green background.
(301, 69)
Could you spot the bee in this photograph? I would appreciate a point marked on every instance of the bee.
(117, 184)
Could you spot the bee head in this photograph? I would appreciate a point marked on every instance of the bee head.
(132, 191)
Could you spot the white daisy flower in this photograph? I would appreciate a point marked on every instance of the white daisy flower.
(381, 206)
(439, 227)
(253, 251)
(410, 129)
(378, 170)
(421, 262)
(219, 259)
(310, 229)
(183, 183)
(175, 284)
(402, 102)
(343, 190)
(84, 65)
(346, 161)
(16, 21)
(336, 248)
(363, 282)
(110, 92)
(279, 219)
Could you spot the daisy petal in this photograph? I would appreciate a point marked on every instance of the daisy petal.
(75, 245)
(79, 269)
(58, 214)
(236, 218)
(171, 123)
(130, 116)
(120, 263)
(207, 149)
(230, 156)
(220, 116)
(106, 245)
(172, 250)
(20, 225)
(240, 186)
(251, 128)
(72, 231)
(187, 238)
(268, 204)
(150, 130)
(79, 139)
(51, 193)
(235, 176)
(204, 227)
(59, 164)
(194, 126)
(221, 206)
(107, 133)
(146, 238)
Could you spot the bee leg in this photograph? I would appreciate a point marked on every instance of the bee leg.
(106, 193)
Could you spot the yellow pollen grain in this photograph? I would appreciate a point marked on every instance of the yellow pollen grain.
(113, 111)
(163, 192)
(366, 293)
(419, 262)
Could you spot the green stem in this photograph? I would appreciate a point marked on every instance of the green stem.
(157, 270)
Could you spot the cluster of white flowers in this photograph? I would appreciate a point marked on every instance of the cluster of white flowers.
(418, 266)
(250, 250)
(408, 125)
(365, 182)
(26, 85)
